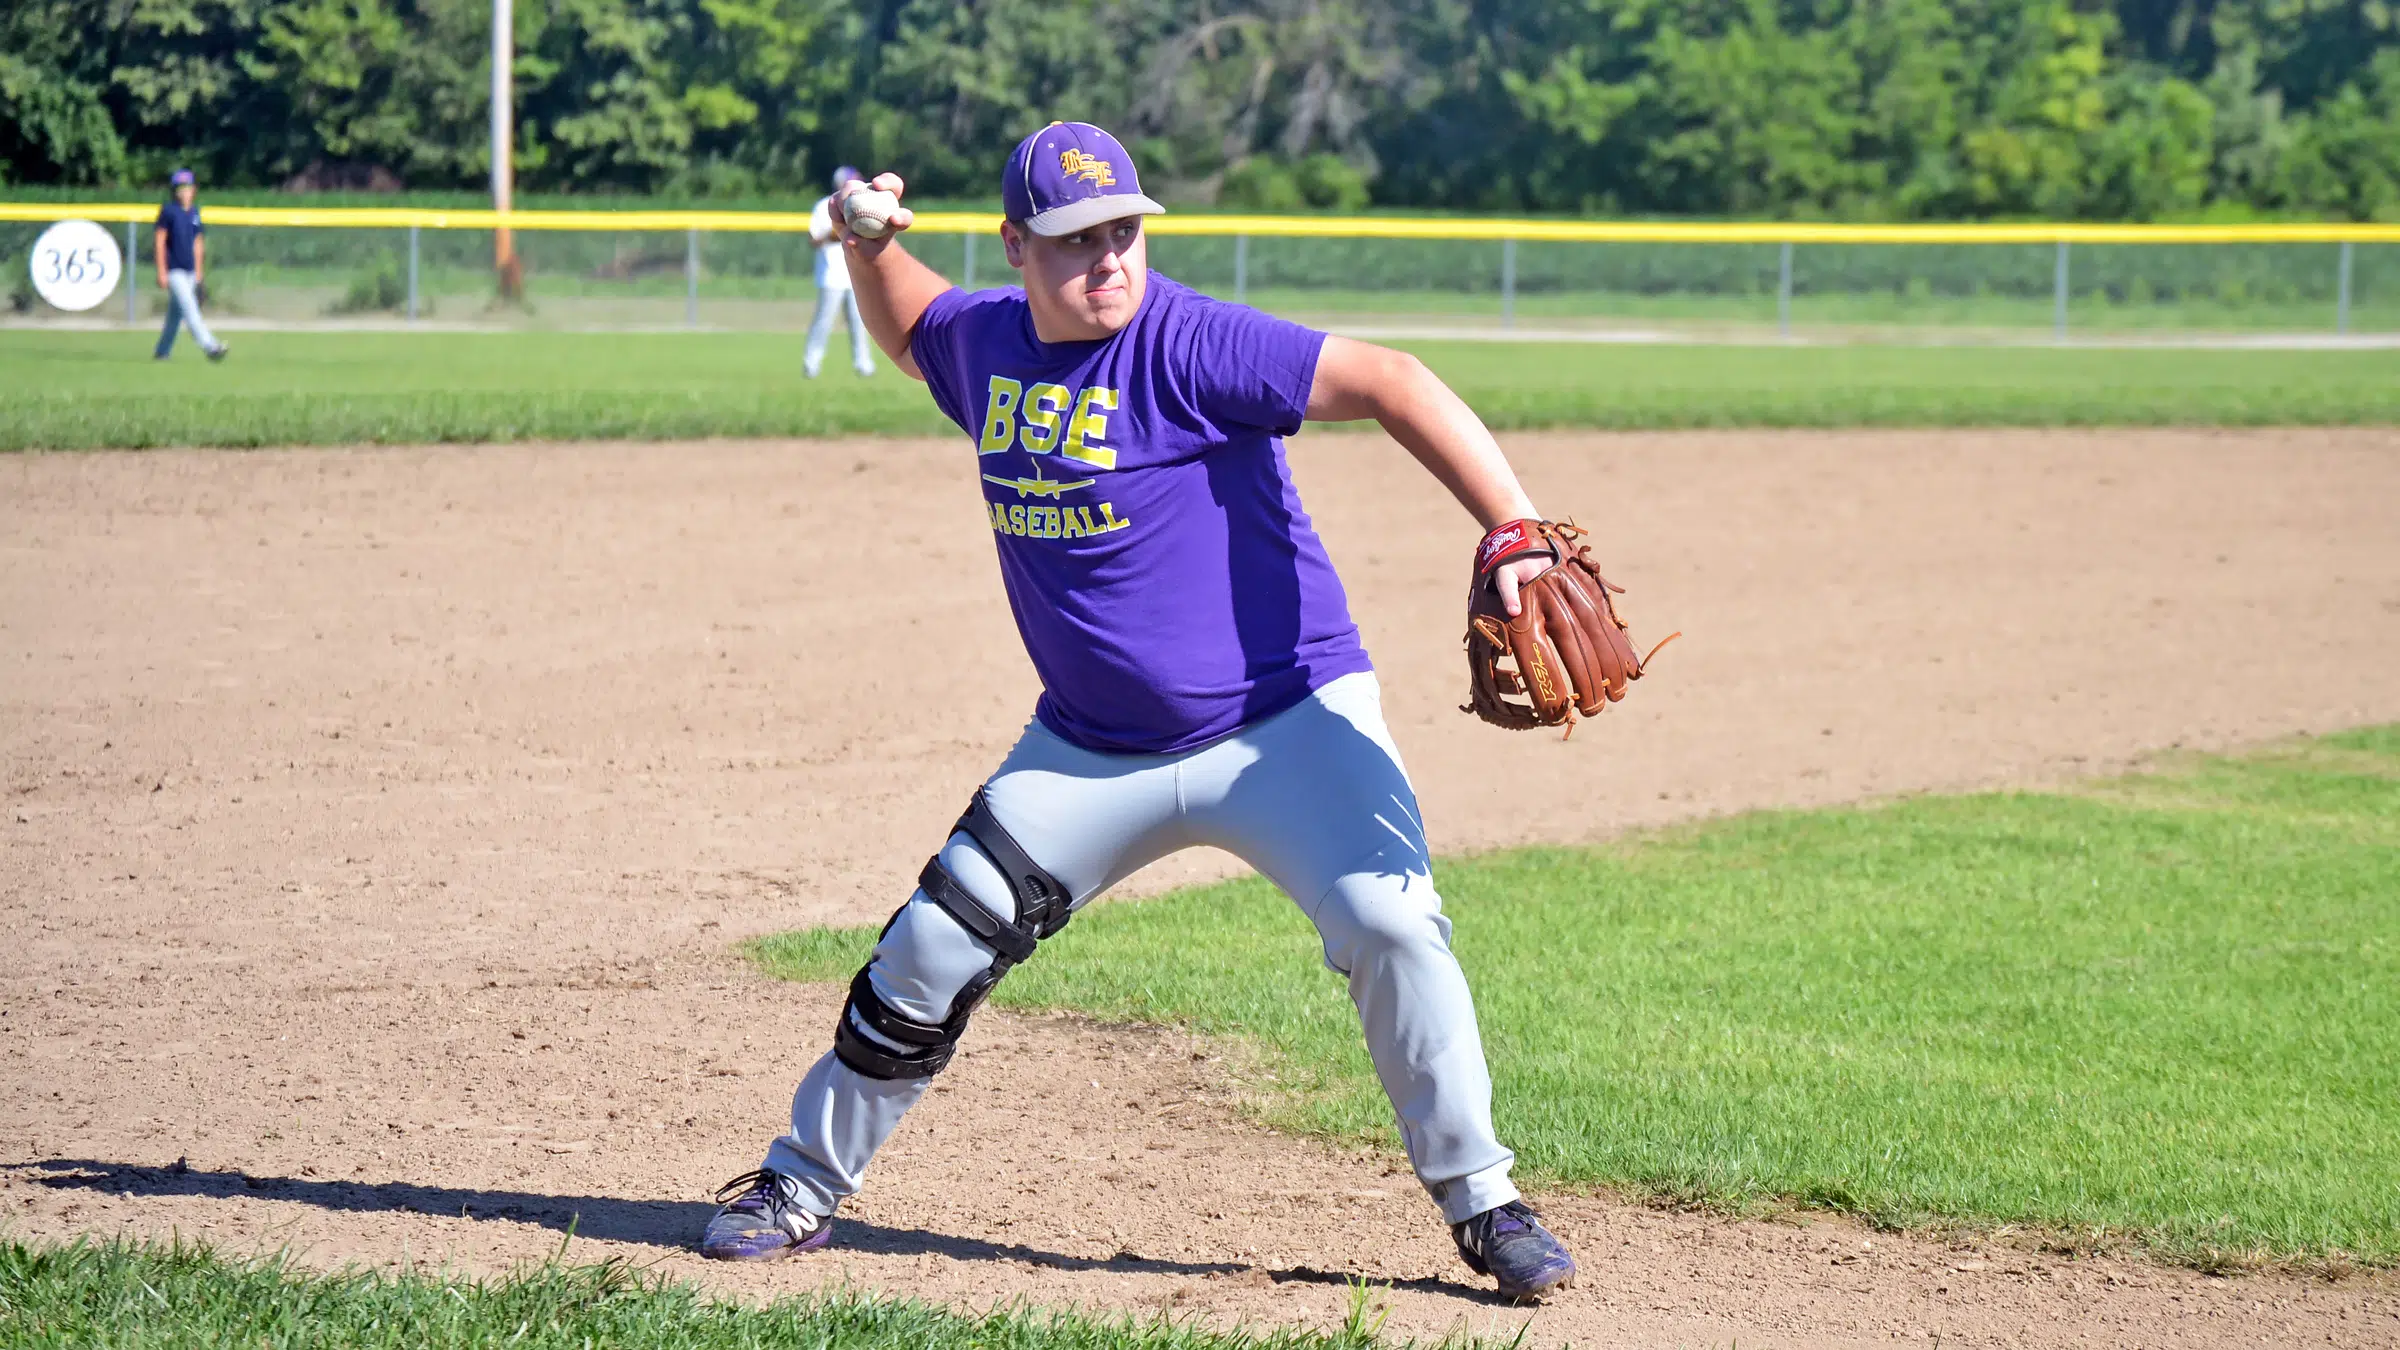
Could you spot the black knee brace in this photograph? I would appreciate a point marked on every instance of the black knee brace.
(1041, 911)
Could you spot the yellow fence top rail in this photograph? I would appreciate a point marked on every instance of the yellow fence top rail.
(1321, 227)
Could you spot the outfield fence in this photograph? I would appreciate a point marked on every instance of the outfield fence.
(608, 269)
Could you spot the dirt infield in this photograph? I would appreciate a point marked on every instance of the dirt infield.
(378, 824)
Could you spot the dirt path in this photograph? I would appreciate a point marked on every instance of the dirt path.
(377, 824)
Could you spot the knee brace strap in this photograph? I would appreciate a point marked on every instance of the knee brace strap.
(1041, 900)
(1042, 903)
(926, 1046)
(1042, 909)
(1013, 942)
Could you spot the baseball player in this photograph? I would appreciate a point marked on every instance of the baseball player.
(834, 296)
(181, 251)
(1202, 681)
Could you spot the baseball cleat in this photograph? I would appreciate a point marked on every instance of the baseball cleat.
(759, 1218)
(217, 353)
(1510, 1245)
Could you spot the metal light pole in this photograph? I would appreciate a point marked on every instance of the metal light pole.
(2058, 295)
(1783, 293)
(691, 278)
(504, 48)
(1508, 283)
(2341, 298)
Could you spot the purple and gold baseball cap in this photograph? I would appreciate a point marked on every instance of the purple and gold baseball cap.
(1070, 176)
(181, 177)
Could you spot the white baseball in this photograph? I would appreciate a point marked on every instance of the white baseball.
(870, 212)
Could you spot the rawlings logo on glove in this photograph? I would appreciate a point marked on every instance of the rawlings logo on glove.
(1566, 653)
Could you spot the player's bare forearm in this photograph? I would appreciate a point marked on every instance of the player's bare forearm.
(158, 248)
(893, 288)
(1357, 381)
(199, 257)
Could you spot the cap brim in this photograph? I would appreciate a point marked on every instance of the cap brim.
(1083, 215)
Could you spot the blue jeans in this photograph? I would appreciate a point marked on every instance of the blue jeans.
(184, 308)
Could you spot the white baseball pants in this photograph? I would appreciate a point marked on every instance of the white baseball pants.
(832, 305)
(1316, 799)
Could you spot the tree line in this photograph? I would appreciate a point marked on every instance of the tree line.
(1857, 109)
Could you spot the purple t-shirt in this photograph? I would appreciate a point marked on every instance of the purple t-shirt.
(1167, 584)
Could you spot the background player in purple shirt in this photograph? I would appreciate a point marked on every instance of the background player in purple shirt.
(1202, 681)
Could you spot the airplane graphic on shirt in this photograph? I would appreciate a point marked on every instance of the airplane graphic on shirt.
(1038, 486)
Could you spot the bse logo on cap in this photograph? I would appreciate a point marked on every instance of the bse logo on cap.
(1097, 172)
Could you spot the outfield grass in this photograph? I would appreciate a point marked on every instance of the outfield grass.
(2088, 314)
(657, 292)
(90, 390)
(2164, 1009)
(81, 391)
(161, 1297)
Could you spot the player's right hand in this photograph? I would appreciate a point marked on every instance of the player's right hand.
(900, 219)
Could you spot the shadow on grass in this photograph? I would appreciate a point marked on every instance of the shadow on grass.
(669, 1224)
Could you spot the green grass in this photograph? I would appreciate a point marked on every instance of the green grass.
(1897, 313)
(79, 391)
(135, 1297)
(2165, 1009)
(92, 390)
(592, 298)
(1668, 387)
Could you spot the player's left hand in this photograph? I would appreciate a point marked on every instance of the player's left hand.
(1510, 581)
(1545, 643)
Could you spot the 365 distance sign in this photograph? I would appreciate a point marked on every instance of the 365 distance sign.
(76, 265)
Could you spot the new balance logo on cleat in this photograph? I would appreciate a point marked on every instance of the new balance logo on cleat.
(760, 1218)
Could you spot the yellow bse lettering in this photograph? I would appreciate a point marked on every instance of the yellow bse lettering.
(1055, 522)
(1044, 405)
(1090, 423)
(999, 416)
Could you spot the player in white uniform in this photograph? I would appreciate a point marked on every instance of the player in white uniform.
(1203, 684)
(835, 298)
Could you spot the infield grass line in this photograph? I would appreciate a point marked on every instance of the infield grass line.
(167, 1296)
(2162, 1009)
(102, 390)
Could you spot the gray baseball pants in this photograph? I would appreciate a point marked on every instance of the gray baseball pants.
(1316, 799)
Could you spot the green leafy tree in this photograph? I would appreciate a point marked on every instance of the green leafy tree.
(55, 122)
(1751, 116)
(2347, 155)
(1852, 108)
(2151, 157)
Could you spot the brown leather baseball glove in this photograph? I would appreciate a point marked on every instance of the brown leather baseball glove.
(1566, 653)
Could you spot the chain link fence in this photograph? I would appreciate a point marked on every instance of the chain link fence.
(314, 275)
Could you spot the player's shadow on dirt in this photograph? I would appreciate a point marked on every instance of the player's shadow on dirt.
(665, 1223)
(673, 1224)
